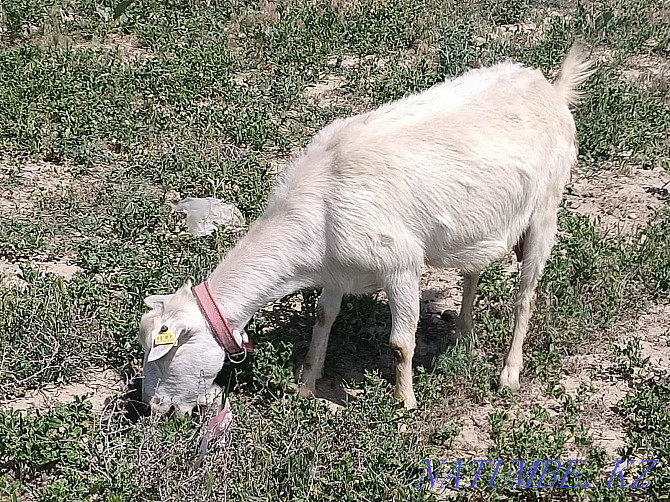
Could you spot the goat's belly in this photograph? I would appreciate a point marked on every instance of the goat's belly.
(348, 279)
(465, 253)
(470, 257)
(477, 236)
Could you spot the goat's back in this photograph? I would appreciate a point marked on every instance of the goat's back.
(452, 174)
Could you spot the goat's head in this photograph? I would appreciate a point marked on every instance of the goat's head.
(181, 356)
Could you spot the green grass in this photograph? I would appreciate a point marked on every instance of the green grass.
(649, 407)
(211, 97)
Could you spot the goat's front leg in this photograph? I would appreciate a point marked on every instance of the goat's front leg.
(326, 313)
(403, 295)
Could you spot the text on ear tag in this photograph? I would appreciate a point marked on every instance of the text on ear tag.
(165, 337)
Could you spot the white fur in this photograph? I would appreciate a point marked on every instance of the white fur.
(451, 177)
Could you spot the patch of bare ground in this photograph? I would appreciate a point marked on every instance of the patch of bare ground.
(441, 290)
(475, 429)
(601, 55)
(28, 190)
(98, 385)
(648, 71)
(171, 196)
(474, 437)
(527, 33)
(597, 369)
(128, 48)
(593, 371)
(653, 328)
(326, 92)
(11, 274)
(616, 201)
(60, 267)
(344, 61)
(53, 34)
(22, 186)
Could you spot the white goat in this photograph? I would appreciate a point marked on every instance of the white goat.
(452, 177)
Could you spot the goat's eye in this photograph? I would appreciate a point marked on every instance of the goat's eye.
(163, 329)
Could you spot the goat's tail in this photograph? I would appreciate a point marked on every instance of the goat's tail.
(576, 69)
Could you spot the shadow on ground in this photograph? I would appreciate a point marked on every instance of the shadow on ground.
(359, 340)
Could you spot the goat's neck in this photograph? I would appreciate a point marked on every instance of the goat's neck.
(275, 258)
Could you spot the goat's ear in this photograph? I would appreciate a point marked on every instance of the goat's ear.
(158, 351)
(162, 342)
(156, 301)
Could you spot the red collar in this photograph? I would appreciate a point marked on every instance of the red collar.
(214, 317)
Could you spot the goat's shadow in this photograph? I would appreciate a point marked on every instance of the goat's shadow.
(359, 340)
(133, 407)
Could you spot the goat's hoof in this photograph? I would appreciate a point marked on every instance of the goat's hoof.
(410, 401)
(453, 337)
(456, 336)
(509, 377)
(305, 390)
(461, 327)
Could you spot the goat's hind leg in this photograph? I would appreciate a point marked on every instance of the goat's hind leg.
(326, 312)
(464, 323)
(537, 245)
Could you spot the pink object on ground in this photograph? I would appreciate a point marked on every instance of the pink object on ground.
(216, 426)
(219, 424)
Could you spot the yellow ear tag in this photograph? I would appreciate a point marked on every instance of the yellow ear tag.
(165, 337)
